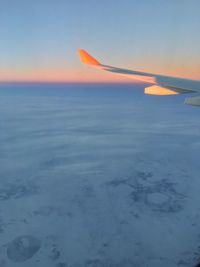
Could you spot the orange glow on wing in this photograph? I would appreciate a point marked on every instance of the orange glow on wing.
(87, 59)
(158, 90)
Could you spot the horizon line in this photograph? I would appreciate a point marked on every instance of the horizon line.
(70, 82)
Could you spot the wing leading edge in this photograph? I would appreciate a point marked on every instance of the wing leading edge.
(159, 84)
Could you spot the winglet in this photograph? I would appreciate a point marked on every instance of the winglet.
(87, 59)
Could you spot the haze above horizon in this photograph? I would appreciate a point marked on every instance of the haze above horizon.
(39, 39)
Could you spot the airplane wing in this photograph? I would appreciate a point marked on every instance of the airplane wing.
(159, 84)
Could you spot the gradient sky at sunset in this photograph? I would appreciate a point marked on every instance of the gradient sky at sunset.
(39, 39)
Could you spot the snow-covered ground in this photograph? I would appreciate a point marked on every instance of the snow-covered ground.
(98, 177)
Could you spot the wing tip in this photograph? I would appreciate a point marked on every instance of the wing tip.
(86, 58)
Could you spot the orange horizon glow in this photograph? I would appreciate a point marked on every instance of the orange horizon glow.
(86, 74)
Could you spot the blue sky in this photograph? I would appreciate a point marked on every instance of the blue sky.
(39, 38)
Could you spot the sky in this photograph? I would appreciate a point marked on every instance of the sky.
(39, 39)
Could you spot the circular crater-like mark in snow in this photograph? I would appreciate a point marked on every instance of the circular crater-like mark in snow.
(160, 196)
(23, 248)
